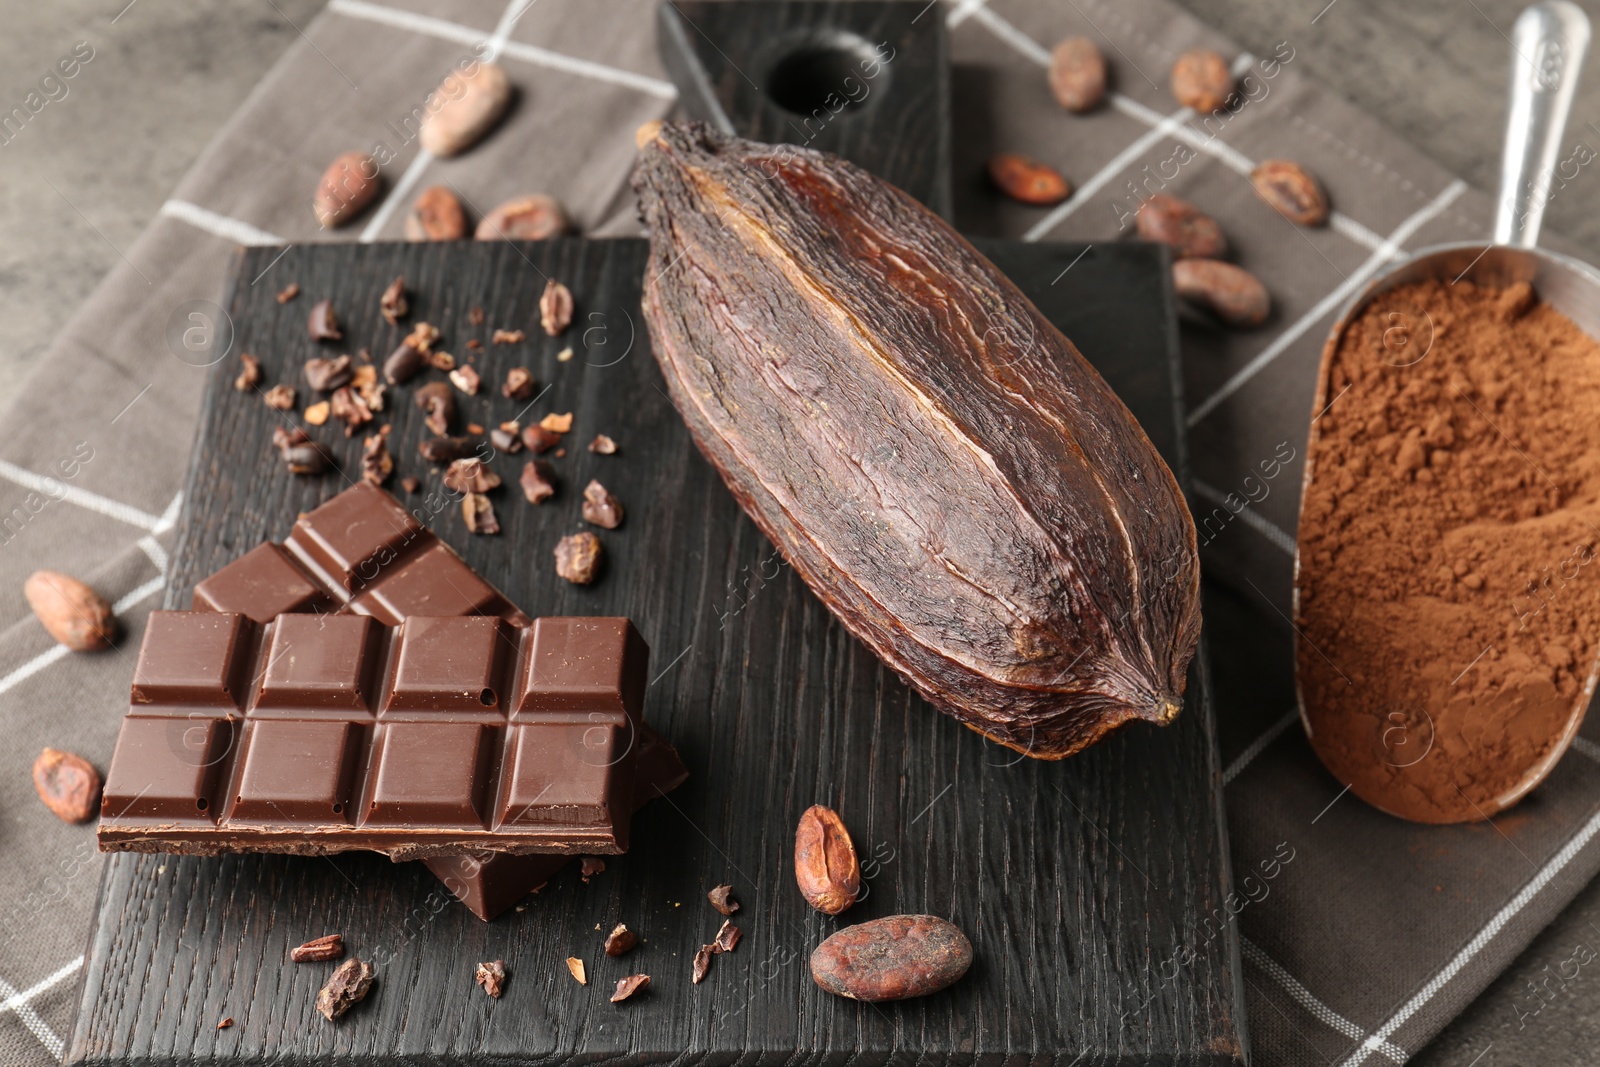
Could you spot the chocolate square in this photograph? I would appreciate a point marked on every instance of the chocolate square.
(192, 658)
(432, 773)
(564, 773)
(455, 665)
(263, 584)
(166, 768)
(433, 582)
(319, 662)
(354, 537)
(584, 665)
(297, 770)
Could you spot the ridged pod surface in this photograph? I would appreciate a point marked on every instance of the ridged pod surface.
(942, 467)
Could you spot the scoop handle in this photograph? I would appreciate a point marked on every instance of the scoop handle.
(1548, 42)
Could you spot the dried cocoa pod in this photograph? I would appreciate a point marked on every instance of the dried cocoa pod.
(892, 958)
(71, 612)
(1013, 545)
(825, 863)
(1201, 80)
(1077, 74)
(1182, 227)
(1231, 293)
(1292, 190)
(436, 216)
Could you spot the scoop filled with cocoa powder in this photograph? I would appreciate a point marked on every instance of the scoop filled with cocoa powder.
(1447, 589)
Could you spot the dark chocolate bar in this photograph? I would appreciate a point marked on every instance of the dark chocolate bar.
(361, 552)
(489, 883)
(324, 733)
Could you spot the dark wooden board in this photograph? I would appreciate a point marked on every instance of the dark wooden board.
(1077, 881)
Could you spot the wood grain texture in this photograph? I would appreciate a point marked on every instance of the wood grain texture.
(1076, 881)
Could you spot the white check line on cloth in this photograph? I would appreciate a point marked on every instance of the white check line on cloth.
(220, 225)
(20, 1003)
(59, 490)
(1328, 304)
(1258, 746)
(1247, 515)
(455, 31)
(1482, 938)
(1307, 1000)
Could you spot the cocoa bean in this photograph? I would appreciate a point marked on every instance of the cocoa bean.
(404, 363)
(436, 215)
(1233, 294)
(473, 103)
(526, 218)
(892, 958)
(350, 183)
(1201, 80)
(555, 307)
(68, 784)
(1292, 190)
(71, 612)
(439, 402)
(1028, 180)
(393, 303)
(1181, 226)
(1077, 74)
(825, 864)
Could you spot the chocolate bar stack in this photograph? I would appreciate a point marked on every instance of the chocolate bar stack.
(361, 687)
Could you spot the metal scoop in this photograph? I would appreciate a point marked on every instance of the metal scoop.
(1548, 44)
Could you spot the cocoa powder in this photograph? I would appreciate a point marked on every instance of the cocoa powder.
(1448, 602)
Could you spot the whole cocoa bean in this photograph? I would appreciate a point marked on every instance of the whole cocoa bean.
(473, 103)
(1293, 190)
(1233, 294)
(1077, 74)
(1181, 226)
(892, 958)
(68, 784)
(527, 218)
(1201, 80)
(825, 864)
(71, 612)
(436, 216)
(350, 183)
(1028, 180)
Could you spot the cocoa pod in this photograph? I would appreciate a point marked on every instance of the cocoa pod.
(1077, 74)
(825, 863)
(350, 183)
(1201, 80)
(68, 784)
(892, 958)
(1013, 545)
(1028, 180)
(70, 611)
(473, 103)
(527, 218)
(1292, 190)
(1231, 293)
(436, 216)
(1182, 227)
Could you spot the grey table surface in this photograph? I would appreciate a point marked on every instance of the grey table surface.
(167, 73)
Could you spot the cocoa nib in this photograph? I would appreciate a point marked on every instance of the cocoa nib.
(393, 302)
(627, 987)
(727, 938)
(422, 336)
(404, 363)
(538, 481)
(557, 423)
(346, 988)
(592, 865)
(506, 440)
(445, 449)
(410, 484)
(519, 384)
(702, 964)
(470, 475)
(279, 398)
(722, 899)
(603, 445)
(319, 949)
(326, 375)
(347, 404)
(620, 941)
(601, 507)
(68, 784)
(540, 440)
(301, 454)
(578, 558)
(376, 463)
(492, 976)
(439, 403)
(475, 315)
(288, 292)
(322, 324)
(479, 514)
(465, 379)
(507, 337)
(249, 373)
(555, 307)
